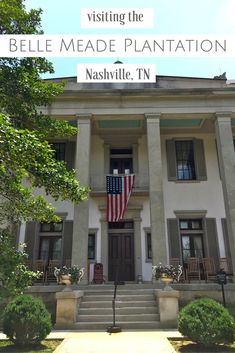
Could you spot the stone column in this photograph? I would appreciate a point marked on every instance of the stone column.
(156, 190)
(81, 210)
(138, 254)
(226, 153)
(106, 158)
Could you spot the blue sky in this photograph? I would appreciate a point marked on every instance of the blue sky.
(212, 17)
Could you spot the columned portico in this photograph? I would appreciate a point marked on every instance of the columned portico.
(81, 211)
(156, 189)
(224, 138)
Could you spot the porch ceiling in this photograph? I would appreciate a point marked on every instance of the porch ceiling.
(135, 124)
(119, 123)
(181, 122)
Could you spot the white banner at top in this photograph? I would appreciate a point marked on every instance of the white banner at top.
(105, 46)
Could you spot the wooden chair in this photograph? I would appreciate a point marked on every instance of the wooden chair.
(193, 270)
(209, 268)
(50, 270)
(225, 264)
(175, 261)
(40, 265)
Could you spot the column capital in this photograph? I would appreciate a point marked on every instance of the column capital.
(153, 117)
(84, 118)
(223, 117)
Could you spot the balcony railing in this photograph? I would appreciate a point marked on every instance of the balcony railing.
(98, 182)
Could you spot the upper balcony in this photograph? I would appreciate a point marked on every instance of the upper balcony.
(98, 183)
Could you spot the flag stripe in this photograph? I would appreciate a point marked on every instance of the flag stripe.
(118, 193)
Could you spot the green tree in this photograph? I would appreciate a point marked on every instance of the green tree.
(14, 273)
(26, 158)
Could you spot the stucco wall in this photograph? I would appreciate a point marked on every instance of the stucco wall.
(204, 195)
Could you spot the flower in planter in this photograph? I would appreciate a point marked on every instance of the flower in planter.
(168, 271)
(75, 273)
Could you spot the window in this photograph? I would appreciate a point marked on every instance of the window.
(51, 227)
(185, 160)
(121, 160)
(121, 225)
(50, 245)
(59, 148)
(148, 246)
(91, 246)
(50, 248)
(191, 232)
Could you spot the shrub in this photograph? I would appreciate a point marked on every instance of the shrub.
(26, 321)
(207, 322)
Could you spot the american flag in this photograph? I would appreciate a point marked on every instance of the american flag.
(118, 194)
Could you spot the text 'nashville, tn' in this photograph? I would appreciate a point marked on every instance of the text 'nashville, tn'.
(119, 74)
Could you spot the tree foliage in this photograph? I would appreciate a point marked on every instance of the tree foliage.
(28, 162)
(26, 158)
(14, 274)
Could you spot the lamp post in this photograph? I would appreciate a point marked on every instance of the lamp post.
(114, 328)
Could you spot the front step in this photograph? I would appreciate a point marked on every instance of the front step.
(108, 304)
(135, 309)
(119, 298)
(135, 325)
(124, 318)
(119, 311)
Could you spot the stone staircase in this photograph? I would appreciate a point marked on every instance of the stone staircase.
(136, 308)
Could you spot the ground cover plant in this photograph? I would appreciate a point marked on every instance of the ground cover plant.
(46, 346)
(186, 346)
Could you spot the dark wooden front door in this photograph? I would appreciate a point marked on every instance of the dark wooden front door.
(121, 257)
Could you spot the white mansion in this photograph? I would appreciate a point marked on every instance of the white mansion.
(176, 136)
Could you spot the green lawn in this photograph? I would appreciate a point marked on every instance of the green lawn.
(185, 346)
(47, 346)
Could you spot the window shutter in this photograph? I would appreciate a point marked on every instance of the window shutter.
(70, 154)
(200, 162)
(30, 239)
(174, 238)
(226, 239)
(171, 160)
(67, 241)
(212, 240)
